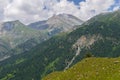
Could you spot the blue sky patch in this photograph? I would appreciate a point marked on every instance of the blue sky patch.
(76, 1)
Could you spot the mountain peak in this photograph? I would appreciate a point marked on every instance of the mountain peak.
(63, 21)
(9, 25)
(15, 22)
(64, 17)
(57, 23)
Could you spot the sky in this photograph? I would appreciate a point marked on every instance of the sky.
(28, 11)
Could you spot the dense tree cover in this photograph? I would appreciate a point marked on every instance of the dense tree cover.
(54, 54)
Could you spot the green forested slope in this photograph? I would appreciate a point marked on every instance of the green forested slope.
(56, 53)
(14, 33)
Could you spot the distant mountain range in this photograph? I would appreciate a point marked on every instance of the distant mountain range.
(14, 34)
(98, 37)
(57, 23)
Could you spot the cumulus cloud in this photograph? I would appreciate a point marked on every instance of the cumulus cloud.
(116, 5)
(90, 8)
(116, 8)
(3, 4)
(29, 11)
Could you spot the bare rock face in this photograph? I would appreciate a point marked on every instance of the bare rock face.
(86, 41)
(65, 22)
(58, 23)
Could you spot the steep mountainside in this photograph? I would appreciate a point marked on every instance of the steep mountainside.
(98, 38)
(14, 33)
(90, 69)
(104, 17)
(57, 23)
(19, 38)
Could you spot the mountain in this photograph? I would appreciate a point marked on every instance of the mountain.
(104, 17)
(19, 38)
(90, 69)
(14, 33)
(98, 38)
(57, 23)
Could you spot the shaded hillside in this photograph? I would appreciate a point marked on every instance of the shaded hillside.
(90, 69)
(14, 33)
(21, 38)
(99, 38)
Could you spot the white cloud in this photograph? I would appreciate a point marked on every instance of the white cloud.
(116, 8)
(90, 8)
(29, 11)
(3, 4)
(24, 10)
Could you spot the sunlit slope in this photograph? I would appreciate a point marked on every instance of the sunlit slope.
(90, 69)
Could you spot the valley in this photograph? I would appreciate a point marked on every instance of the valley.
(17, 38)
(96, 38)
